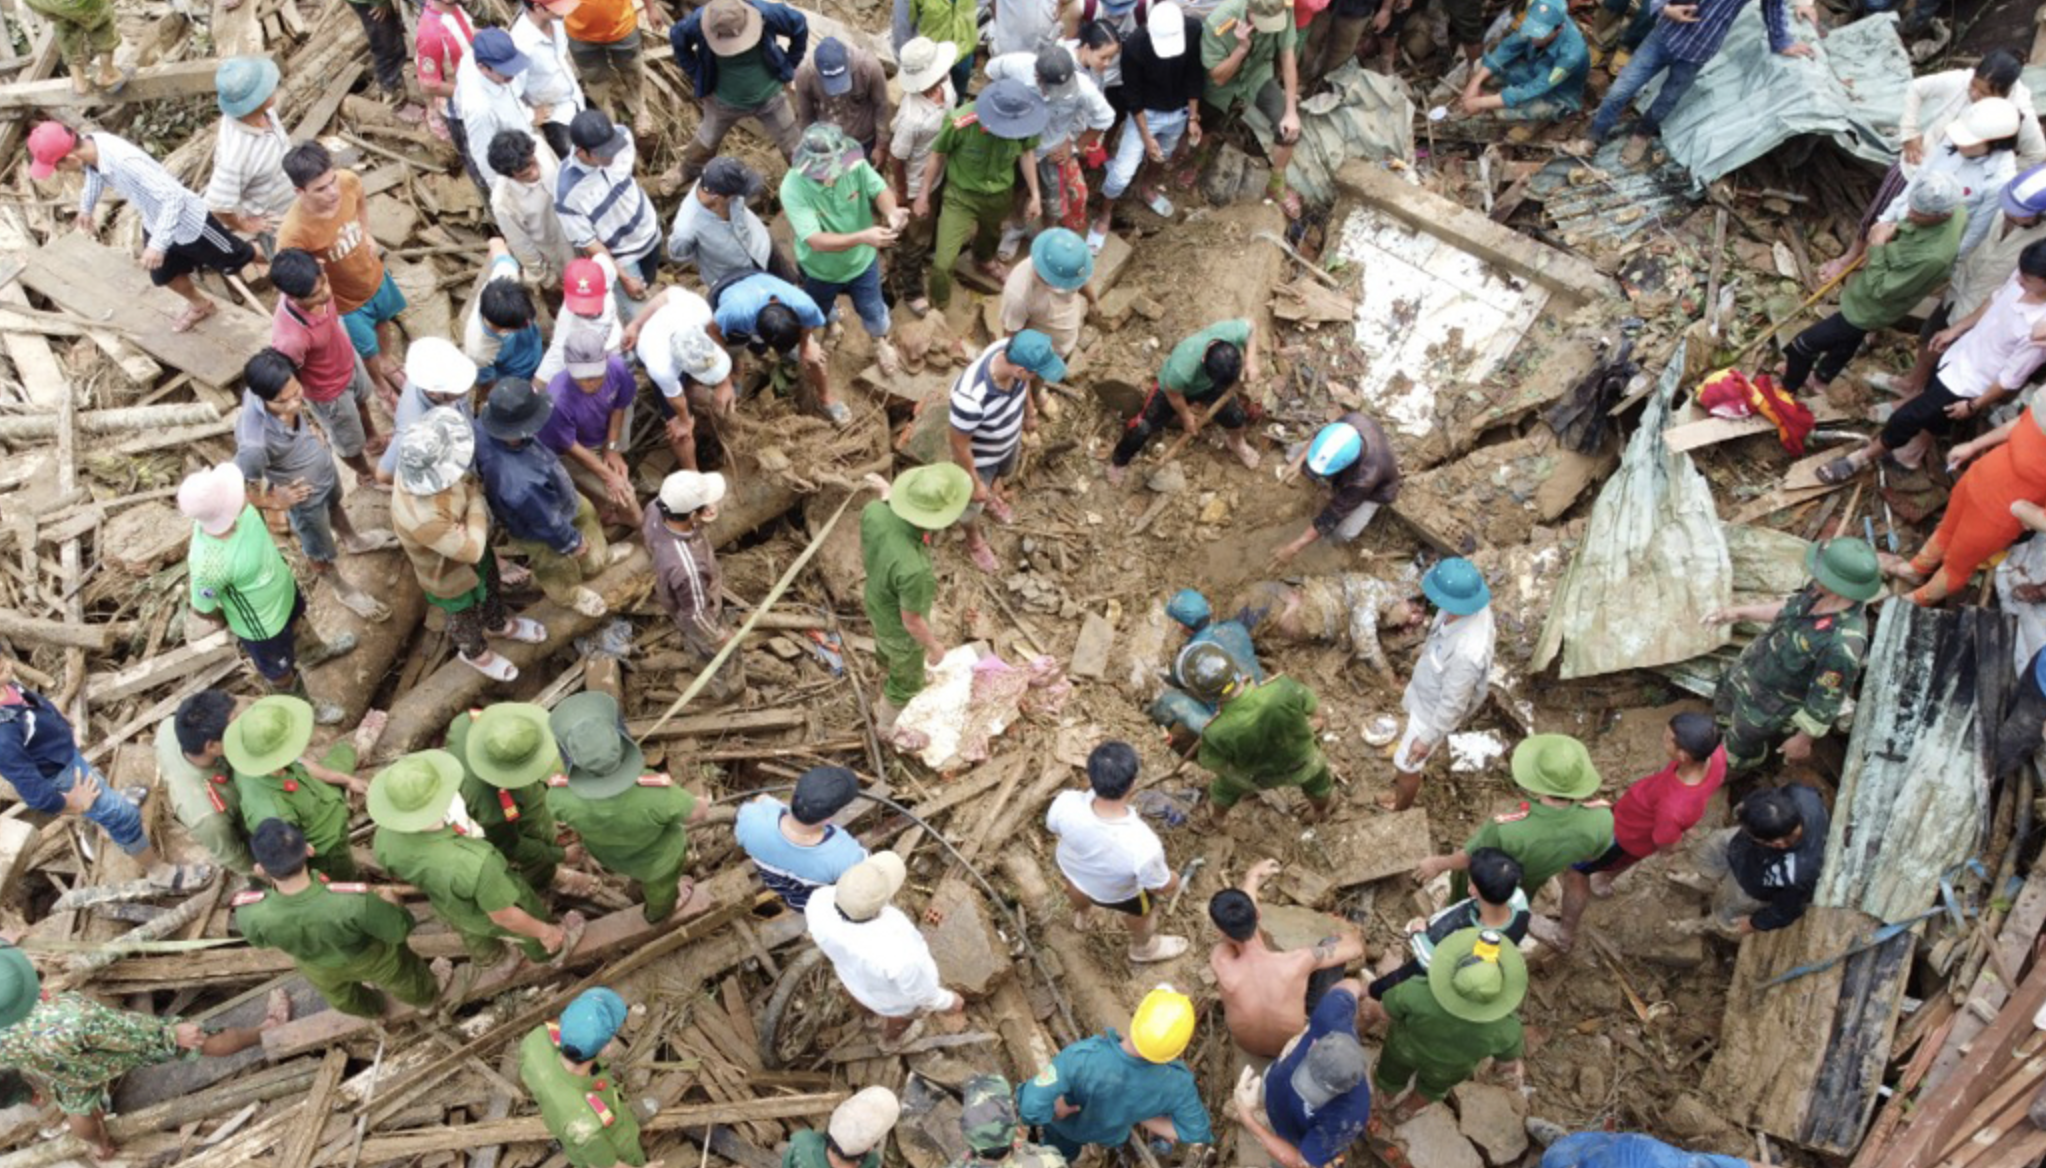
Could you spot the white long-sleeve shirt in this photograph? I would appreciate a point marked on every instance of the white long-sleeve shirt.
(1981, 179)
(1933, 101)
(550, 77)
(487, 108)
(1451, 674)
(884, 963)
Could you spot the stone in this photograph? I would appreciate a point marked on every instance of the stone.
(1148, 308)
(1432, 1140)
(928, 1132)
(1689, 1117)
(1169, 479)
(1592, 1085)
(1115, 308)
(1291, 927)
(1215, 512)
(1494, 1118)
(1378, 847)
(141, 539)
(1090, 651)
(1109, 263)
(971, 956)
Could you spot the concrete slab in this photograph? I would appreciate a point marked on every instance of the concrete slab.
(1495, 1119)
(1090, 651)
(971, 956)
(1432, 1140)
(1382, 846)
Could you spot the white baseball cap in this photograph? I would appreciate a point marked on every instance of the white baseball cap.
(699, 358)
(1165, 24)
(686, 491)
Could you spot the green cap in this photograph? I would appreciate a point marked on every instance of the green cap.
(509, 746)
(601, 759)
(413, 793)
(19, 986)
(1846, 566)
(269, 735)
(1555, 765)
(1478, 975)
(988, 1119)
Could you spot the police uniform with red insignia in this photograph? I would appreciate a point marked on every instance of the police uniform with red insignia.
(588, 1114)
(346, 940)
(516, 820)
(632, 821)
(1791, 679)
(318, 809)
(204, 800)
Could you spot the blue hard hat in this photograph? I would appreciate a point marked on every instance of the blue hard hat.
(1456, 586)
(1062, 259)
(1334, 448)
(1189, 608)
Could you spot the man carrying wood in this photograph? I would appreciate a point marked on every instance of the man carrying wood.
(1199, 371)
(582, 1098)
(1798, 673)
(1554, 830)
(896, 532)
(633, 821)
(276, 779)
(1266, 993)
(344, 939)
(687, 582)
(1263, 736)
(190, 763)
(506, 751)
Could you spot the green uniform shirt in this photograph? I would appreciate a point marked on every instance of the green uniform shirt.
(1900, 273)
(1442, 1048)
(243, 577)
(948, 21)
(744, 80)
(637, 833)
(587, 1113)
(204, 800)
(976, 160)
(518, 823)
(1544, 839)
(846, 207)
(464, 879)
(1800, 670)
(1218, 40)
(806, 1150)
(318, 809)
(1184, 374)
(1263, 733)
(897, 556)
(336, 927)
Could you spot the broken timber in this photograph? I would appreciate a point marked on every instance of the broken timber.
(150, 83)
(533, 1130)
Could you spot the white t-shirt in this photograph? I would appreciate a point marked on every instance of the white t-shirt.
(682, 312)
(568, 322)
(1111, 860)
(885, 964)
(550, 78)
(1999, 349)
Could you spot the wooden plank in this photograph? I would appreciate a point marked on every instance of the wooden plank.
(1756, 1077)
(532, 1130)
(106, 688)
(313, 122)
(1989, 992)
(89, 278)
(1776, 500)
(304, 1140)
(1712, 431)
(739, 722)
(154, 83)
(35, 364)
(1858, 1047)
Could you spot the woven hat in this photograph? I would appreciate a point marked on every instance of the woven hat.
(601, 759)
(438, 367)
(1555, 765)
(435, 451)
(699, 358)
(867, 887)
(214, 498)
(414, 793)
(269, 735)
(509, 746)
(931, 497)
(925, 62)
(1477, 975)
(20, 986)
(243, 84)
(859, 1124)
(731, 26)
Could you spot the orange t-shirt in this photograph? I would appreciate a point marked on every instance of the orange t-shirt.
(353, 269)
(601, 22)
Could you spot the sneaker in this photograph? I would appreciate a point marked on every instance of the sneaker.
(1635, 150)
(1163, 947)
(326, 651)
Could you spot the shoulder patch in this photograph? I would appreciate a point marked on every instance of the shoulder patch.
(347, 888)
(1512, 816)
(557, 780)
(1823, 623)
(655, 781)
(1830, 679)
(246, 898)
(965, 120)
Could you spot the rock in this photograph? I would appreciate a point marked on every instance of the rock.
(1216, 512)
(1090, 651)
(928, 1132)
(1689, 1118)
(1495, 1119)
(1433, 1141)
(1592, 1085)
(1169, 479)
(1222, 182)
(1148, 308)
(1115, 308)
(1109, 263)
(971, 956)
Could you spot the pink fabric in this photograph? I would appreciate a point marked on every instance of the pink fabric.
(1656, 812)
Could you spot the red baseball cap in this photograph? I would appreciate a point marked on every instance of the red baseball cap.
(583, 287)
(47, 143)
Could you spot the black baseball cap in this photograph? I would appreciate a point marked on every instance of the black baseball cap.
(823, 792)
(593, 131)
(730, 178)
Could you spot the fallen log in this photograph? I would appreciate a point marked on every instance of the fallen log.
(153, 83)
(126, 420)
(35, 630)
(351, 680)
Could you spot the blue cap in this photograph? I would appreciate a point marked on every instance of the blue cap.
(1032, 350)
(2024, 197)
(1456, 587)
(834, 66)
(589, 1022)
(494, 47)
(1543, 17)
(244, 83)
(1062, 259)
(1189, 608)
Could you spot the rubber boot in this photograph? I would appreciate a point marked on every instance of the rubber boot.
(885, 714)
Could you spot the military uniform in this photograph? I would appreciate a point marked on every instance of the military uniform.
(1263, 740)
(638, 833)
(318, 809)
(205, 800)
(988, 1120)
(1791, 679)
(517, 822)
(346, 940)
(465, 879)
(1544, 839)
(980, 184)
(586, 1114)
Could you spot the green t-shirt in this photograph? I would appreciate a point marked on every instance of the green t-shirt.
(318, 809)
(1263, 732)
(243, 577)
(954, 21)
(1218, 40)
(975, 160)
(843, 208)
(464, 879)
(587, 1113)
(1443, 1048)
(806, 1150)
(744, 80)
(637, 833)
(1184, 374)
(336, 927)
(1544, 839)
(899, 574)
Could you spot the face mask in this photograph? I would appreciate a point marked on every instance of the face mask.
(458, 818)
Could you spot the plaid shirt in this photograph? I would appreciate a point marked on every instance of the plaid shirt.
(1698, 41)
(172, 214)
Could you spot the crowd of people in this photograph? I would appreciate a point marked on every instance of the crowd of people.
(509, 453)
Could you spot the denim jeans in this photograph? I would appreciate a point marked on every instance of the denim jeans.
(121, 820)
(1651, 58)
(312, 521)
(1166, 128)
(865, 290)
(1637, 28)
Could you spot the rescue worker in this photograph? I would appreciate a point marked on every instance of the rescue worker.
(1541, 68)
(582, 1100)
(273, 780)
(1451, 675)
(1097, 1089)
(855, 1136)
(1197, 373)
(346, 940)
(1794, 677)
(895, 547)
(198, 780)
(1442, 1028)
(633, 821)
(1352, 457)
(1263, 736)
(505, 751)
(1547, 835)
(1183, 715)
(994, 1135)
(426, 837)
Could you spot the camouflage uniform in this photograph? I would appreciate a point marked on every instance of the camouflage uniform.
(1791, 679)
(988, 1120)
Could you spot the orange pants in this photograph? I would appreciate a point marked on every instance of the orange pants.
(1978, 523)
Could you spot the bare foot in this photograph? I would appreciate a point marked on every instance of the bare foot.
(685, 895)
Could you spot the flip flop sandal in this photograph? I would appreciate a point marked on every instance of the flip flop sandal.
(1096, 240)
(526, 631)
(1160, 205)
(1001, 511)
(498, 670)
(1838, 471)
(515, 576)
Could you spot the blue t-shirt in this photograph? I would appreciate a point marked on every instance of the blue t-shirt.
(1627, 1150)
(1322, 1134)
(737, 305)
(789, 870)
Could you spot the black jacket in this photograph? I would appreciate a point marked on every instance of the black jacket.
(1783, 881)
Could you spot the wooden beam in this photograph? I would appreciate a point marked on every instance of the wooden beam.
(106, 688)
(182, 79)
(532, 1130)
(739, 722)
(304, 1140)
(36, 630)
(21, 427)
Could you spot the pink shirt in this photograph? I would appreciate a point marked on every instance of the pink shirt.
(1656, 812)
(317, 343)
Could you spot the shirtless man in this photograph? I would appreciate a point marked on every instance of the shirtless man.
(1265, 993)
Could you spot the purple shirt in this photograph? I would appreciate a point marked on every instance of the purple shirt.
(584, 419)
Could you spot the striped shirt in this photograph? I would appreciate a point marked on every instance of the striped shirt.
(170, 213)
(248, 168)
(1697, 41)
(990, 414)
(604, 204)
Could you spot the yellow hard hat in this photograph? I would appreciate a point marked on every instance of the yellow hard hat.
(1163, 1025)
